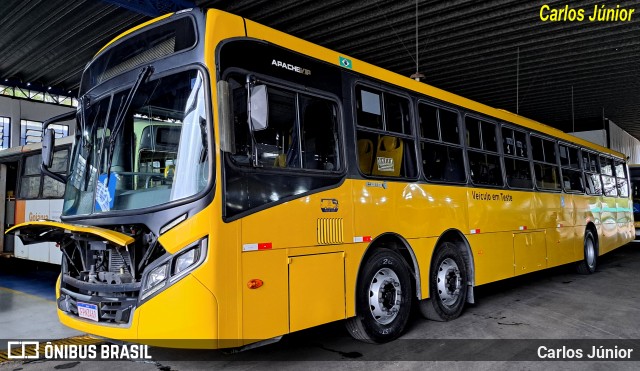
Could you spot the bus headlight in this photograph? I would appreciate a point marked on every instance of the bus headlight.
(155, 280)
(173, 268)
(185, 260)
(156, 276)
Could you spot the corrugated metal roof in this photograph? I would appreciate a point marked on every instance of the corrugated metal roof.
(467, 47)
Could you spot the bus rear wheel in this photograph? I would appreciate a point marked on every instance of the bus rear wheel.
(588, 264)
(383, 298)
(447, 285)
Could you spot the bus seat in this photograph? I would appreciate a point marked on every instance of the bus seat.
(365, 155)
(169, 172)
(388, 159)
(280, 160)
(288, 156)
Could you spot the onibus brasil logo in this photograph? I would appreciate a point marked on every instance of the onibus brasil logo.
(35, 350)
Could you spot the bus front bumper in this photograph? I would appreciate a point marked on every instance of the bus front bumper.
(184, 315)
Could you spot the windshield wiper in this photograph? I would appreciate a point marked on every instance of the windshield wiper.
(122, 112)
(84, 142)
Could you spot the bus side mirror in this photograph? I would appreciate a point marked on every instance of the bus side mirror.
(47, 148)
(259, 108)
(47, 155)
(48, 144)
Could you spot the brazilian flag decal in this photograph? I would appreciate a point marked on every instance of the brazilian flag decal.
(345, 62)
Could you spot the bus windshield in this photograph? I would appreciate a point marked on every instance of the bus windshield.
(134, 161)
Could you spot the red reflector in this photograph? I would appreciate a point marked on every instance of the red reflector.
(264, 246)
(366, 239)
(255, 283)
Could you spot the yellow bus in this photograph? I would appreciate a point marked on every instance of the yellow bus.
(295, 186)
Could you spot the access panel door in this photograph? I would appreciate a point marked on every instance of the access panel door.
(530, 252)
(316, 290)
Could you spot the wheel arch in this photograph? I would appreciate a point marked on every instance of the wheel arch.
(458, 238)
(594, 231)
(399, 244)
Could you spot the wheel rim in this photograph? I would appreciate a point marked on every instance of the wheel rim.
(590, 252)
(449, 282)
(385, 296)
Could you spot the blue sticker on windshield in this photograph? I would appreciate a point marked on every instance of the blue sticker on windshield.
(105, 193)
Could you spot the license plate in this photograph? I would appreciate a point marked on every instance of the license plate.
(88, 311)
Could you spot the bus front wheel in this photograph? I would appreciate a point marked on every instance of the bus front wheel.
(447, 285)
(588, 264)
(383, 298)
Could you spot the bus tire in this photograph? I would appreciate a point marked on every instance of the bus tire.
(588, 264)
(447, 285)
(383, 298)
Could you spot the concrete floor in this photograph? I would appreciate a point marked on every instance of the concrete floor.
(27, 302)
(510, 321)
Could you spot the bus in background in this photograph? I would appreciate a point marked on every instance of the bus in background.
(290, 186)
(28, 195)
(634, 176)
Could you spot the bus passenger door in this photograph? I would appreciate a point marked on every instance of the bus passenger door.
(7, 195)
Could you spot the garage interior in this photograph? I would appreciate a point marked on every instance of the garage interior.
(569, 75)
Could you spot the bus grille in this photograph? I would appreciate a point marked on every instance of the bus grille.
(330, 231)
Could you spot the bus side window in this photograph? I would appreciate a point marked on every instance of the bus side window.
(572, 180)
(442, 158)
(545, 163)
(521, 144)
(320, 133)
(369, 108)
(484, 160)
(276, 146)
(591, 173)
(608, 179)
(384, 126)
(30, 179)
(621, 179)
(302, 130)
(396, 112)
(516, 162)
(52, 188)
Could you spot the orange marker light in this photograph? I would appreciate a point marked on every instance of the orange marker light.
(255, 283)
